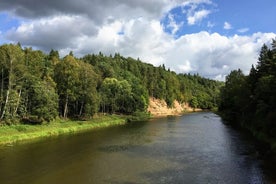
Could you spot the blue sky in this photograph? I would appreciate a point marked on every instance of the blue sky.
(242, 17)
(7, 23)
(209, 37)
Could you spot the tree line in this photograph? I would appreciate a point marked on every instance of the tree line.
(250, 101)
(38, 87)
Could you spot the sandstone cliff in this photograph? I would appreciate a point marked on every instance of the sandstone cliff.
(159, 107)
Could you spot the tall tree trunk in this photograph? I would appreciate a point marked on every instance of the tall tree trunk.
(9, 89)
(81, 108)
(65, 107)
(2, 89)
(5, 105)
(104, 107)
(18, 102)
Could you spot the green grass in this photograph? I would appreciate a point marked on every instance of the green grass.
(14, 133)
(139, 116)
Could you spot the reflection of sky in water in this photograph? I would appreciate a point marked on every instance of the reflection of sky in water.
(195, 148)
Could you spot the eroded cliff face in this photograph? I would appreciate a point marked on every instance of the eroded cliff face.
(159, 107)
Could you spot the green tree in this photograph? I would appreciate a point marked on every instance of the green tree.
(44, 100)
(109, 92)
(35, 62)
(194, 102)
(66, 75)
(118, 96)
(235, 94)
(251, 100)
(87, 92)
(13, 71)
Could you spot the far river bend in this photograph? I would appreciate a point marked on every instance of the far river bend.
(193, 148)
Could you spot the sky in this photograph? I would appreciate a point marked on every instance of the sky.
(207, 37)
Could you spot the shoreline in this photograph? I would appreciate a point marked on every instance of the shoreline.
(12, 134)
(160, 115)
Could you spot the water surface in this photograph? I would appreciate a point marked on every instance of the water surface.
(194, 148)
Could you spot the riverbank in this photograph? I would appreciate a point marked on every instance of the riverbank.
(15, 133)
(159, 108)
(266, 145)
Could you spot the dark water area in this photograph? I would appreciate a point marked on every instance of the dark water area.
(194, 148)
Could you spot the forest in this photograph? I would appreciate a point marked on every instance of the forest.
(37, 87)
(250, 101)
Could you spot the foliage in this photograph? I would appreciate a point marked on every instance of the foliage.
(37, 87)
(26, 87)
(250, 101)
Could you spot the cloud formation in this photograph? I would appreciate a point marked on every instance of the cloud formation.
(243, 30)
(173, 25)
(54, 32)
(97, 10)
(214, 55)
(197, 16)
(133, 29)
(227, 26)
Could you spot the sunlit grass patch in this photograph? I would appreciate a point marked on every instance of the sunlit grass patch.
(15, 133)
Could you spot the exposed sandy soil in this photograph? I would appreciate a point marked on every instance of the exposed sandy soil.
(159, 107)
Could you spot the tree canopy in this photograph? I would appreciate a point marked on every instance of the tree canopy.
(250, 101)
(38, 86)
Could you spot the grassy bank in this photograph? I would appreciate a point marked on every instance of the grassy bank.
(14, 133)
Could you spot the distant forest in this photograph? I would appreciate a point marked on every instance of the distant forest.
(250, 101)
(40, 86)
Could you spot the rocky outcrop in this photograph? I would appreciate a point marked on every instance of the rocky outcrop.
(158, 107)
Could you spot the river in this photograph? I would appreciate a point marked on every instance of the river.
(193, 148)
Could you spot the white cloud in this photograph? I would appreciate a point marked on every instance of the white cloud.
(194, 2)
(185, 67)
(227, 26)
(243, 30)
(53, 32)
(211, 55)
(210, 24)
(214, 55)
(197, 16)
(173, 24)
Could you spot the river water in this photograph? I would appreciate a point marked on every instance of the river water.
(194, 148)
